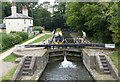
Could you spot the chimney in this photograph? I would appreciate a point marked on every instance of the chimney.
(25, 10)
(13, 9)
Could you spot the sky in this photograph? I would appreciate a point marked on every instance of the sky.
(41, 1)
(51, 1)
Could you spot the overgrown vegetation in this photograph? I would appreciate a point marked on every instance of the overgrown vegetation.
(10, 58)
(41, 38)
(115, 58)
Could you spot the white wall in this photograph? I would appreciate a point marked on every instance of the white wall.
(17, 24)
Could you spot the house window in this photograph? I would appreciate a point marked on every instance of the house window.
(24, 21)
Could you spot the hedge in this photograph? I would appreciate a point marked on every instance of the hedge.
(37, 28)
(24, 35)
(11, 39)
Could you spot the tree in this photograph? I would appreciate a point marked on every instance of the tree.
(91, 17)
(115, 22)
(42, 17)
(74, 18)
(57, 19)
(30, 6)
(6, 9)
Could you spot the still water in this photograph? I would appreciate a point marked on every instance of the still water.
(65, 70)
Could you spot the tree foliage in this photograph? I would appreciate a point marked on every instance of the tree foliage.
(99, 20)
(58, 19)
(42, 17)
(115, 22)
(6, 9)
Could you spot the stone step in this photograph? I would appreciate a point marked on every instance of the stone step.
(25, 69)
(27, 62)
(25, 73)
(26, 66)
(28, 59)
(104, 62)
(105, 65)
(101, 56)
(106, 69)
(106, 72)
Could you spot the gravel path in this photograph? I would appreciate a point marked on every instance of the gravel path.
(6, 67)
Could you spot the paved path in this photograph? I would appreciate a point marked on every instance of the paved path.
(6, 67)
(8, 52)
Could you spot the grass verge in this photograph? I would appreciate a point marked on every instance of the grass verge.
(115, 59)
(41, 38)
(10, 58)
(47, 31)
(9, 75)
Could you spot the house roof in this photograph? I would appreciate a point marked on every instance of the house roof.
(3, 25)
(18, 16)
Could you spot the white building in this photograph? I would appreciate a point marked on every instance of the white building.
(18, 21)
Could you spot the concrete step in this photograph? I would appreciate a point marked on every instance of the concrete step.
(25, 73)
(103, 62)
(27, 62)
(106, 72)
(26, 66)
(106, 69)
(28, 59)
(29, 56)
(101, 56)
(25, 69)
(105, 65)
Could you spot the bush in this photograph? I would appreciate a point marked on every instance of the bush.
(24, 35)
(58, 29)
(13, 32)
(9, 40)
(37, 28)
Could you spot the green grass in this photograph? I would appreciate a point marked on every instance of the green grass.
(47, 31)
(9, 75)
(115, 59)
(10, 58)
(41, 38)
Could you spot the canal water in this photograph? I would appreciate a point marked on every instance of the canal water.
(65, 70)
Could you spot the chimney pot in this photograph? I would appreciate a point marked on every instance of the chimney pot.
(25, 10)
(13, 9)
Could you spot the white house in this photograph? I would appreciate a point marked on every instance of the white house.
(18, 21)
